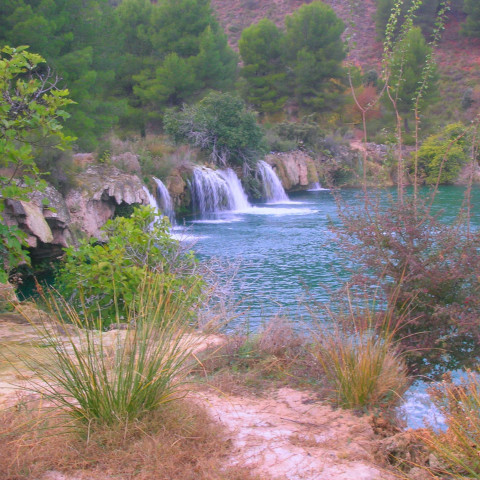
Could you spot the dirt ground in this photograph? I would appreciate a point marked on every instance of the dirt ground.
(285, 434)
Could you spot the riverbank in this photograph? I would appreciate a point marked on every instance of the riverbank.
(271, 432)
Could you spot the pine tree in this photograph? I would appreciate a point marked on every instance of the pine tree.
(261, 50)
(314, 52)
(406, 72)
(472, 24)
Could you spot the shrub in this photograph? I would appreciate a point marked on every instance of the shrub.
(360, 360)
(441, 156)
(115, 377)
(106, 276)
(433, 267)
(221, 125)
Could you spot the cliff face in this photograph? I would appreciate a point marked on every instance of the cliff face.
(52, 222)
(296, 170)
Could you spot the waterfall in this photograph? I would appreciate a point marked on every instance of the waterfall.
(151, 199)
(272, 187)
(217, 190)
(164, 200)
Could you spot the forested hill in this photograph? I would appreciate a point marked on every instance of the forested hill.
(458, 55)
(235, 15)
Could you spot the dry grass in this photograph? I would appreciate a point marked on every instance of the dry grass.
(177, 442)
(113, 379)
(358, 356)
(276, 355)
(457, 449)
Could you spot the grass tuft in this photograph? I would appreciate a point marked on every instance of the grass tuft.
(457, 449)
(359, 359)
(113, 377)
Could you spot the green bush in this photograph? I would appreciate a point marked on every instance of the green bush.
(221, 125)
(106, 276)
(442, 156)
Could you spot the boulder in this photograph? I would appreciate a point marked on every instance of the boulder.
(44, 219)
(100, 190)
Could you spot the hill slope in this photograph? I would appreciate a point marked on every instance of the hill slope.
(458, 56)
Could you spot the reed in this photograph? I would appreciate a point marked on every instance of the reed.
(117, 376)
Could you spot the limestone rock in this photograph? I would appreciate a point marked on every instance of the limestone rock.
(8, 296)
(45, 220)
(296, 169)
(82, 160)
(101, 188)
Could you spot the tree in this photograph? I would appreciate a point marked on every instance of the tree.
(425, 15)
(314, 52)
(261, 49)
(221, 125)
(471, 26)
(407, 68)
(184, 54)
(76, 39)
(441, 156)
(31, 112)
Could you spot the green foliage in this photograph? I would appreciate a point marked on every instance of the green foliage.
(314, 54)
(76, 39)
(125, 63)
(108, 379)
(261, 48)
(305, 134)
(221, 125)
(472, 24)
(441, 156)
(106, 276)
(408, 63)
(173, 51)
(31, 111)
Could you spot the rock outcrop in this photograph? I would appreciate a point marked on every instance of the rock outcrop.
(178, 188)
(52, 222)
(44, 219)
(296, 169)
(100, 190)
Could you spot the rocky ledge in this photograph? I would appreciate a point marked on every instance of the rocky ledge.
(52, 222)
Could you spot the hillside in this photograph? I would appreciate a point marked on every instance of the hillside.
(458, 56)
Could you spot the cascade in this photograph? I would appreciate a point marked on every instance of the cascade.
(164, 200)
(151, 199)
(217, 190)
(272, 187)
(315, 187)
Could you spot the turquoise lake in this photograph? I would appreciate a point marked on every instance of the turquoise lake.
(286, 252)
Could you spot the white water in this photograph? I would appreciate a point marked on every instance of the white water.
(272, 187)
(215, 191)
(151, 199)
(316, 187)
(164, 200)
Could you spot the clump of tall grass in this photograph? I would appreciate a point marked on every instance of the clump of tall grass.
(357, 353)
(114, 377)
(457, 448)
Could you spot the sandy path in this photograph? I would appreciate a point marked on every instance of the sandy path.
(287, 436)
